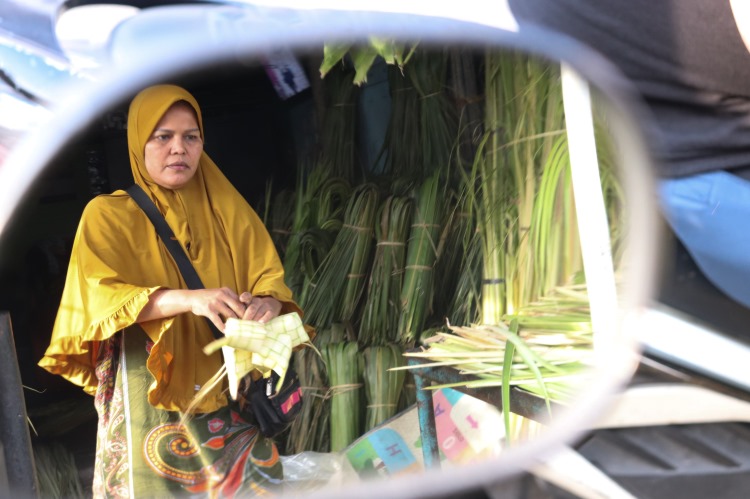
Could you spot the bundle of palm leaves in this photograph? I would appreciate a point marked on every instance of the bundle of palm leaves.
(416, 292)
(381, 311)
(438, 123)
(337, 284)
(382, 386)
(344, 366)
(310, 431)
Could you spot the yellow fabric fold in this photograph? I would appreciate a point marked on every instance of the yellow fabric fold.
(118, 260)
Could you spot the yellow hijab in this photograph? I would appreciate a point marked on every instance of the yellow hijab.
(118, 261)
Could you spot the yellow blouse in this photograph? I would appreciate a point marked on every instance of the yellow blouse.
(118, 261)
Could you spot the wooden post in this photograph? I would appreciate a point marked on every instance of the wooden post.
(17, 457)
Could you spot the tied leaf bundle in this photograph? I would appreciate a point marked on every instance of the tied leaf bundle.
(314, 245)
(324, 214)
(382, 386)
(362, 220)
(402, 156)
(338, 283)
(338, 134)
(381, 311)
(310, 431)
(438, 123)
(458, 268)
(301, 221)
(465, 306)
(523, 121)
(344, 365)
(416, 292)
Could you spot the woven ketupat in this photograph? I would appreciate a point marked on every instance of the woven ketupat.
(249, 345)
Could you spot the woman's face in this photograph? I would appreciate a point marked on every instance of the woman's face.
(174, 148)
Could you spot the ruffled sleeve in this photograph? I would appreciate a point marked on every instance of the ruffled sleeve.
(97, 302)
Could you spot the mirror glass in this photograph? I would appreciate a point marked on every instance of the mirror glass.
(427, 202)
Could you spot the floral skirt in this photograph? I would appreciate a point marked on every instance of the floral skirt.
(142, 451)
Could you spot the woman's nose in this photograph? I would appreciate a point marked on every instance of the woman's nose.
(178, 145)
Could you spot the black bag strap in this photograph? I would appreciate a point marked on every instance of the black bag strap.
(170, 241)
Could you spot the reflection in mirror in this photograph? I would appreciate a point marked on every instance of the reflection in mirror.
(422, 202)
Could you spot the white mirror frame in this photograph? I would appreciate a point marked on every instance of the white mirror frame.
(240, 37)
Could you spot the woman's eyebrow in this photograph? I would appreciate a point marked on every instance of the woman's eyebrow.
(169, 130)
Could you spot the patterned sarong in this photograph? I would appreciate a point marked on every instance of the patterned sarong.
(144, 452)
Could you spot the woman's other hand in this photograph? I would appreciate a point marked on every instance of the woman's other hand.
(218, 305)
(260, 308)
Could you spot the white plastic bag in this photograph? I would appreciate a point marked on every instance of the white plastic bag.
(309, 471)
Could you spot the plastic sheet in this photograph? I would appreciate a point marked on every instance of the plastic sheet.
(309, 471)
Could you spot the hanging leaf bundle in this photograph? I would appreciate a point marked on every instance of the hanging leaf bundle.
(306, 432)
(344, 366)
(382, 386)
(468, 97)
(465, 305)
(307, 186)
(523, 118)
(337, 284)
(438, 123)
(554, 234)
(416, 292)
(381, 311)
(324, 216)
(314, 245)
(310, 430)
(451, 283)
(362, 221)
(612, 188)
(403, 155)
(338, 133)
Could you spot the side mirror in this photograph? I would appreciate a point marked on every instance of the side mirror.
(226, 57)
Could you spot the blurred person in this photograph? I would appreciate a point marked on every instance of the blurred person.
(690, 63)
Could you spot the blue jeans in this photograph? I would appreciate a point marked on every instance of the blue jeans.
(710, 214)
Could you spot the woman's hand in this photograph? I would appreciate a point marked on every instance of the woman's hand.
(217, 304)
(260, 308)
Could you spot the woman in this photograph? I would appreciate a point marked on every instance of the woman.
(130, 332)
